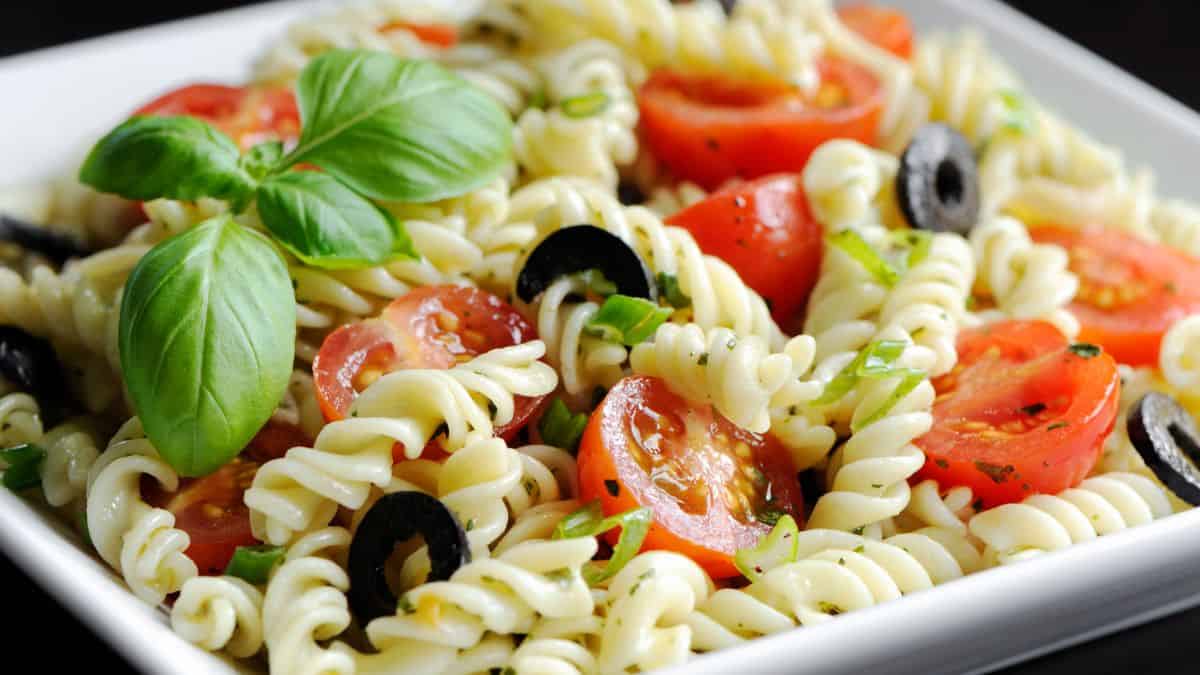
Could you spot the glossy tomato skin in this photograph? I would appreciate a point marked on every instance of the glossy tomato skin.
(766, 232)
(885, 27)
(1022, 413)
(711, 128)
(430, 327)
(212, 512)
(1130, 291)
(646, 446)
(249, 115)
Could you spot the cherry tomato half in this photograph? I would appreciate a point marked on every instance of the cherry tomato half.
(710, 128)
(430, 327)
(713, 486)
(765, 231)
(1130, 290)
(249, 115)
(1022, 412)
(885, 27)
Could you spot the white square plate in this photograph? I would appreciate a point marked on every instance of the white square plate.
(59, 99)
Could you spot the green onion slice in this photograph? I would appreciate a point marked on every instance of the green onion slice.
(24, 463)
(589, 521)
(778, 548)
(585, 105)
(561, 428)
(864, 254)
(668, 288)
(627, 320)
(254, 563)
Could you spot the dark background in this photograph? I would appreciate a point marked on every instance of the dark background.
(1155, 41)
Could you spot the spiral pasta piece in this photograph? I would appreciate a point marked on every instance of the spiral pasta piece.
(20, 419)
(1026, 280)
(1100, 505)
(216, 613)
(305, 603)
(849, 184)
(1177, 358)
(71, 450)
(930, 507)
(301, 490)
(137, 540)
(666, 201)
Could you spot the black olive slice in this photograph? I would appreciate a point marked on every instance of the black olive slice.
(938, 182)
(56, 246)
(395, 518)
(1164, 434)
(580, 248)
(31, 364)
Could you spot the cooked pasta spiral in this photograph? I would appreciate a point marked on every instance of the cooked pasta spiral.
(1026, 280)
(137, 540)
(1178, 354)
(584, 362)
(305, 603)
(216, 613)
(666, 201)
(849, 184)
(930, 507)
(20, 419)
(71, 450)
(1100, 505)
(302, 490)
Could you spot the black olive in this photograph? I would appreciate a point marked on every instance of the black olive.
(726, 5)
(938, 182)
(580, 248)
(56, 246)
(31, 364)
(630, 194)
(1165, 436)
(395, 518)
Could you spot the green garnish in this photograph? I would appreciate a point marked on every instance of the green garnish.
(778, 548)
(1018, 114)
(864, 254)
(1033, 408)
(24, 464)
(876, 361)
(597, 283)
(254, 563)
(1056, 425)
(612, 487)
(589, 521)
(561, 428)
(585, 105)
(625, 320)
(1084, 349)
(669, 290)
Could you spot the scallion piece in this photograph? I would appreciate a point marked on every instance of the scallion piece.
(254, 563)
(1018, 116)
(874, 360)
(585, 105)
(909, 381)
(864, 254)
(589, 521)
(597, 283)
(24, 466)
(562, 428)
(778, 548)
(628, 321)
(669, 290)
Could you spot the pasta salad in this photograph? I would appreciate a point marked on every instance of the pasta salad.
(587, 336)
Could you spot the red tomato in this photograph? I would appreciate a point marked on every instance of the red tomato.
(765, 231)
(430, 327)
(1022, 412)
(709, 482)
(1130, 291)
(884, 27)
(710, 128)
(211, 511)
(436, 34)
(249, 115)
(274, 440)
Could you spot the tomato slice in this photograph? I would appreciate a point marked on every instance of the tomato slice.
(885, 27)
(436, 34)
(710, 128)
(1022, 412)
(710, 483)
(430, 327)
(1130, 291)
(211, 511)
(249, 115)
(274, 440)
(765, 231)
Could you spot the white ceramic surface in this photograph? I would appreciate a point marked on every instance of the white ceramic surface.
(58, 99)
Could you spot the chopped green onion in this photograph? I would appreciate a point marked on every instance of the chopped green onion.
(778, 548)
(589, 521)
(627, 320)
(911, 378)
(1018, 115)
(24, 466)
(1084, 349)
(918, 243)
(874, 360)
(560, 428)
(538, 99)
(254, 563)
(669, 290)
(864, 254)
(597, 283)
(585, 105)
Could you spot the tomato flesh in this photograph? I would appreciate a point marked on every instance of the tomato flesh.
(1130, 291)
(249, 115)
(884, 27)
(1021, 413)
(710, 483)
(436, 34)
(710, 128)
(212, 512)
(433, 327)
(765, 231)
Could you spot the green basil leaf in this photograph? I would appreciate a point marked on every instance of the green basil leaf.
(326, 224)
(174, 157)
(262, 158)
(207, 335)
(625, 320)
(778, 548)
(589, 521)
(254, 563)
(397, 130)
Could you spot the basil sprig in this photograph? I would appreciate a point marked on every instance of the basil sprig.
(207, 338)
(208, 317)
